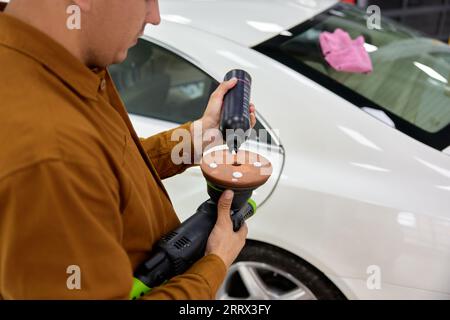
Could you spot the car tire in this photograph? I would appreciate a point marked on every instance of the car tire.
(266, 272)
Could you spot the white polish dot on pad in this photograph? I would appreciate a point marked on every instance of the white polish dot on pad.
(257, 164)
(213, 165)
(237, 174)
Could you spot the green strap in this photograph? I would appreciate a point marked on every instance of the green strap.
(139, 289)
(253, 204)
(214, 187)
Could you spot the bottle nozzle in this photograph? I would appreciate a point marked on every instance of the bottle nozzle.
(233, 144)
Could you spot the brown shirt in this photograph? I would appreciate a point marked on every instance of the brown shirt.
(77, 186)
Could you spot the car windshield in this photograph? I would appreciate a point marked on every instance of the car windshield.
(410, 77)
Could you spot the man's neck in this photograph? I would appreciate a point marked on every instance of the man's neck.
(49, 17)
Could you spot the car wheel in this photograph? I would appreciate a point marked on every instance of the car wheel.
(265, 272)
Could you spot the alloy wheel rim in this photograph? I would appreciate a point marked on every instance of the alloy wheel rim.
(262, 281)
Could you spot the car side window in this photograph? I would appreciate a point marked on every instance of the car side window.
(156, 83)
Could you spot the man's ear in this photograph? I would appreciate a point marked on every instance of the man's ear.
(85, 5)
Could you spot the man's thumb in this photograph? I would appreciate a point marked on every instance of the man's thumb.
(224, 204)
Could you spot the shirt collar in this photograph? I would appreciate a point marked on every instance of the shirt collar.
(28, 40)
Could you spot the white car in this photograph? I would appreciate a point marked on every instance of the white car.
(358, 205)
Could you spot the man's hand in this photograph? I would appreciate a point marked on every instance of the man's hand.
(211, 116)
(223, 241)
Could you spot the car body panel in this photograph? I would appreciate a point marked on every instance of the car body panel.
(387, 291)
(245, 22)
(354, 191)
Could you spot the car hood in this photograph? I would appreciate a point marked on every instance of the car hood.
(248, 22)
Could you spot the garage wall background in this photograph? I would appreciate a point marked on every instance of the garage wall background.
(429, 16)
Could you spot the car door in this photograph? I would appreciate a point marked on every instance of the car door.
(163, 89)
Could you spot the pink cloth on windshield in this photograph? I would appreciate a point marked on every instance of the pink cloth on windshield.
(345, 54)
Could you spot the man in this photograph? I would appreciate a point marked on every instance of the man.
(81, 200)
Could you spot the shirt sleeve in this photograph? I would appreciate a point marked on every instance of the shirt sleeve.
(60, 236)
(200, 282)
(160, 148)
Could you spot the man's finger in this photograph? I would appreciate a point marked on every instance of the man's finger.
(224, 207)
(252, 120)
(252, 110)
(243, 231)
(223, 88)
